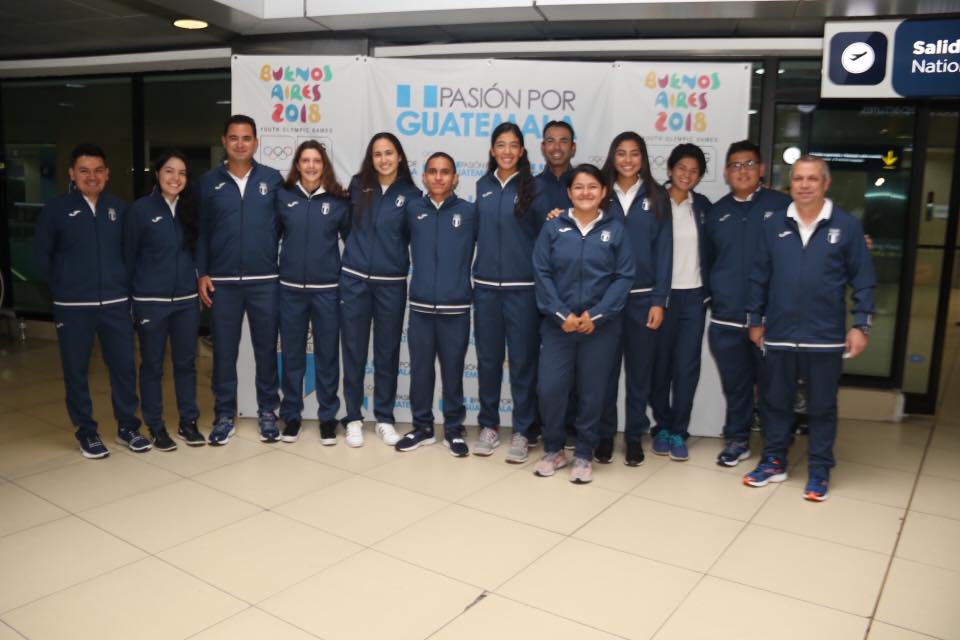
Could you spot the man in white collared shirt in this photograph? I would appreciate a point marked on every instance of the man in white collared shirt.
(806, 259)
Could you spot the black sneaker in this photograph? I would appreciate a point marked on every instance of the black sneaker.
(162, 441)
(328, 432)
(457, 446)
(414, 439)
(189, 433)
(291, 430)
(91, 445)
(604, 451)
(533, 434)
(634, 454)
(134, 440)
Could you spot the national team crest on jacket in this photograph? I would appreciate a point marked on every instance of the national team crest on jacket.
(833, 235)
(325, 208)
(457, 220)
(264, 188)
(112, 214)
(399, 201)
(604, 236)
(645, 205)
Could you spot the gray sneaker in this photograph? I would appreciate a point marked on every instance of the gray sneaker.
(487, 440)
(518, 449)
(582, 471)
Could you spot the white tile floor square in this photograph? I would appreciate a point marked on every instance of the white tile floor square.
(302, 541)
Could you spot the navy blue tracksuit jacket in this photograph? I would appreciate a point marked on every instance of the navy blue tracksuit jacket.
(799, 293)
(732, 233)
(239, 234)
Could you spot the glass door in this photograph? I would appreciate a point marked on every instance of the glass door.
(936, 211)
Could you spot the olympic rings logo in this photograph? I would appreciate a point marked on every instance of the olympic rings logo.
(277, 152)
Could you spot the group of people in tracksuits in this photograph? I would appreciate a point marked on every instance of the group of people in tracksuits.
(569, 275)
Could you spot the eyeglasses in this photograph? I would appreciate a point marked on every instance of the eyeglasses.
(738, 166)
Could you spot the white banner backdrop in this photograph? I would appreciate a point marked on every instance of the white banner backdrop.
(453, 106)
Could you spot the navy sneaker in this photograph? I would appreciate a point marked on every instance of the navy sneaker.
(91, 445)
(222, 431)
(816, 489)
(678, 448)
(414, 439)
(661, 443)
(134, 440)
(769, 470)
(733, 453)
(457, 446)
(267, 423)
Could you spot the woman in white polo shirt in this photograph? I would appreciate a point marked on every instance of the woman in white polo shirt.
(676, 370)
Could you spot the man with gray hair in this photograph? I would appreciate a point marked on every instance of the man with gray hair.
(807, 256)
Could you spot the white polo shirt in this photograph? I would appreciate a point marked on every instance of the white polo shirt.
(806, 230)
(686, 250)
(587, 228)
(627, 197)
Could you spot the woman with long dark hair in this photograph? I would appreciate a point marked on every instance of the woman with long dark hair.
(160, 237)
(676, 369)
(313, 213)
(640, 204)
(373, 283)
(505, 305)
(584, 268)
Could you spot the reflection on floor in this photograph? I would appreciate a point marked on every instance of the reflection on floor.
(304, 541)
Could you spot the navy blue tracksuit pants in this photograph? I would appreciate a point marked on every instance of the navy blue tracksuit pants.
(507, 318)
(383, 303)
(581, 361)
(738, 361)
(432, 336)
(230, 301)
(156, 321)
(821, 371)
(638, 348)
(318, 310)
(76, 329)
(676, 368)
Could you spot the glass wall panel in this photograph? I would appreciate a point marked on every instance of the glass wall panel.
(186, 111)
(42, 121)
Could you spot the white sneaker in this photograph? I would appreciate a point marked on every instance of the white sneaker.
(387, 433)
(354, 434)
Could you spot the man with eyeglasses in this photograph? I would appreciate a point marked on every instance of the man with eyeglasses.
(237, 274)
(733, 226)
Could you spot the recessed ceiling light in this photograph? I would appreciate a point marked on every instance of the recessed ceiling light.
(223, 102)
(190, 23)
(75, 85)
(760, 71)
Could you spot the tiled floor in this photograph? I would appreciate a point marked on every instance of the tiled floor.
(302, 541)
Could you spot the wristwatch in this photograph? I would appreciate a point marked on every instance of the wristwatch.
(863, 328)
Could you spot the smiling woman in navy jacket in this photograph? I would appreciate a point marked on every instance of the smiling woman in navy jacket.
(676, 369)
(160, 238)
(504, 299)
(314, 215)
(443, 233)
(583, 268)
(373, 283)
(640, 204)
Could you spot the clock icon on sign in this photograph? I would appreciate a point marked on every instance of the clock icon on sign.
(858, 58)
